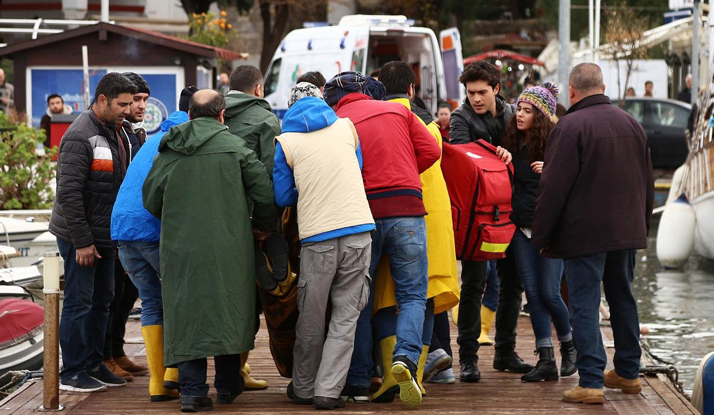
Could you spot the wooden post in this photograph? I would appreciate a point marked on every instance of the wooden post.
(50, 401)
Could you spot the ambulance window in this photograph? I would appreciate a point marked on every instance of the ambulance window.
(271, 82)
(357, 60)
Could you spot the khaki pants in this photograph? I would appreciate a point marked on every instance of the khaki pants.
(334, 272)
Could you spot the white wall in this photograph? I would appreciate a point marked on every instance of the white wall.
(654, 70)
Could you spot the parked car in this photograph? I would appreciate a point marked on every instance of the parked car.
(664, 121)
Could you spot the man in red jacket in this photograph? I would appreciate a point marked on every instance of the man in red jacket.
(593, 209)
(396, 148)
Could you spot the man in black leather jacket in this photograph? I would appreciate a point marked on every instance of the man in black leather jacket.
(484, 116)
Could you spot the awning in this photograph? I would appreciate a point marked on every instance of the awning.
(502, 55)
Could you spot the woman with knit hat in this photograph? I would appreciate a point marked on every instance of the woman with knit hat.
(526, 138)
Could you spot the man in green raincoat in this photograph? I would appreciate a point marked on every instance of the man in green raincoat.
(200, 186)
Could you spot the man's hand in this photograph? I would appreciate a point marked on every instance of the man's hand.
(85, 256)
(503, 154)
(537, 167)
(4, 101)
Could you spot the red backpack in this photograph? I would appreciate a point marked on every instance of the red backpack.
(480, 188)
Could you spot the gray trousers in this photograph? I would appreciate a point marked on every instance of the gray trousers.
(335, 271)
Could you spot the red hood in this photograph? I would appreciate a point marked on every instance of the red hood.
(350, 98)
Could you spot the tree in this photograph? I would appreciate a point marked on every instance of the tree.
(275, 16)
(196, 6)
(623, 38)
(25, 176)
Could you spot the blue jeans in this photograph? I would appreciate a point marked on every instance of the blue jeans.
(404, 240)
(541, 280)
(141, 262)
(385, 323)
(615, 270)
(490, 295)
(88, 291)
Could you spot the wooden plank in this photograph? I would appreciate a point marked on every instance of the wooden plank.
(17, 399)
(497, 393)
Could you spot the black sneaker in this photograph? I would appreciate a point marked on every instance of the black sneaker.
(325, 403)
(296, 399)
(103, 375)
(229, 397)
(355, 394)
(81, 382)
(196, 404)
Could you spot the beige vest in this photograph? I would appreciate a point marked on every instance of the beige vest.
(328, 178)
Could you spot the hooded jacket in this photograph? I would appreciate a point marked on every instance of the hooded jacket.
(318, 161)
(89, 174)
(252, 119)
(396, 148)
(200, 186)
(469, 127)
(130, 220)
(136, 137)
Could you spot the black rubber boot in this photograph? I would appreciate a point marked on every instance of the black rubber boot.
(568, 354)
(276, 248)
(262, 272)
(545, 369)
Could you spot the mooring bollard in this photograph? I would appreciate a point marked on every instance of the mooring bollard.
(50, 402)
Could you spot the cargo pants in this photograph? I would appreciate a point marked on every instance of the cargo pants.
(333, 272)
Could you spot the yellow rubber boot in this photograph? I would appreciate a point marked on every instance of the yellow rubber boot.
(171, 379)
(420, 368)
(390, 387)
(487, 316)
(154, 341)
(250, 383)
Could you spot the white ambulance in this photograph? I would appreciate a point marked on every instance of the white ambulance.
(364, 43)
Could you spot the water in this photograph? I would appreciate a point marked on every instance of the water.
(678, 309)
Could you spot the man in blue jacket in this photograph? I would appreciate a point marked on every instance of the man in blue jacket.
(137, 232)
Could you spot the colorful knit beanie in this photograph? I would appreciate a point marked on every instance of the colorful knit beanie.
(541, 97)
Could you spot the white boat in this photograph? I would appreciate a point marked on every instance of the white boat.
(33, 252)
(20, 275)
(691, 200)
(7, 253)
(22, 335)
(18, 232)
(699, 180)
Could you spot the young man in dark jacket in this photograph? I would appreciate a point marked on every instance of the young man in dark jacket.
(125, 293)
(484, 116)
(249, 116)
(593, 209)
(396, 147)
(91, 166)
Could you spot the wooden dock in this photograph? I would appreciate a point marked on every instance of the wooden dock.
(496, 393)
